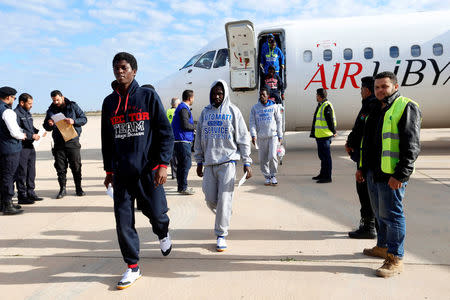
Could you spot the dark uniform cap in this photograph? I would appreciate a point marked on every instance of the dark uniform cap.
(7, 91)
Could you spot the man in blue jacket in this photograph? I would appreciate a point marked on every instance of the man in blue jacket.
(137, 144)
(66, 152)
(272, 56)
(183, 131)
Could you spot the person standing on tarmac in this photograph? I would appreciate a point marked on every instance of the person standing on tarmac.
(26, 172)
(390, 146)
(170, 112)
(183, 131)
(366, 228)
(266, 131)
(323, 129)
(137, 144)
(222, 139)
(66, 153)
(11, 136)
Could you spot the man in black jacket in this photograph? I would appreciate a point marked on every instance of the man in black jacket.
(26, 171)
(66, 152)
(137, 144)
(366, 228)
(391, 145)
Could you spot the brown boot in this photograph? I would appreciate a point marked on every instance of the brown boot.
(376, 252)
(392, 266)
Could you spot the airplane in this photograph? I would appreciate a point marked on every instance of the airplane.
(327, 53)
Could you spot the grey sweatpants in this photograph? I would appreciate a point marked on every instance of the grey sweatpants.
(218, 186)
(268, 156)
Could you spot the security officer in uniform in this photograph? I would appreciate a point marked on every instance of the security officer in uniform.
(66, 153)
(10, 146)
(26, 172)
(323, 129)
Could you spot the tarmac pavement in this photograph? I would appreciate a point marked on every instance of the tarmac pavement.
(285, 242)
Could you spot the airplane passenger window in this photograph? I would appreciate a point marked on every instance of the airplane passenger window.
(438, 49)
(221, 59)
(415, 50)
(327, 55)
(307, 56)
(191, 61)
(394, 52)
(348, 54)
(206, 60)
(368, 53)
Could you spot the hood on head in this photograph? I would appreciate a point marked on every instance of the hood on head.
(226, 98)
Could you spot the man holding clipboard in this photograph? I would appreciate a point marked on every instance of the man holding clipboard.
(65, 118)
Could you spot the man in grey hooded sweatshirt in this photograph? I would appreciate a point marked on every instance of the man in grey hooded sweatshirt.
(266, 130)
(222, 139)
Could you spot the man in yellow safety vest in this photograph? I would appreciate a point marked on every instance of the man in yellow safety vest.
(389, 148)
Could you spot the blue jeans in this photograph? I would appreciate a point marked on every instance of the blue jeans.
(324, 152)
(183, 155)
(388, 209)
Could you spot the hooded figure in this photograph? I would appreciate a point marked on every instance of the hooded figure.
(222, 139)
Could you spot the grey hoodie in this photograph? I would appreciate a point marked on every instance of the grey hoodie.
(222, 135)
(265, 120)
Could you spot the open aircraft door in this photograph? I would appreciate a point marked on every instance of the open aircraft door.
(242, 54)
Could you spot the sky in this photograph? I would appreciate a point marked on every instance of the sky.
(69, 44)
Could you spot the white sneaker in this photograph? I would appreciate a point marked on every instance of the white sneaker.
(273, 181)
(166, 245)
(267, 182)
(221, 244)
(188, 191)
(128, 278)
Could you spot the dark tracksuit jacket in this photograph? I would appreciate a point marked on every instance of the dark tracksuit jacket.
(137, 138)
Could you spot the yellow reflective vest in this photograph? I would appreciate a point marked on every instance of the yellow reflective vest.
(321, 129)
(170, 113)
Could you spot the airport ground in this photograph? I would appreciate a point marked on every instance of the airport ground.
(285, 242)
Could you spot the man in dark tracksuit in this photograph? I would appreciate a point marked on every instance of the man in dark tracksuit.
(183, 130)
(137, 144)
(10, 145)
(367, 225)
(66, 153)
(323, 129)
(26, 172)
(275, 86)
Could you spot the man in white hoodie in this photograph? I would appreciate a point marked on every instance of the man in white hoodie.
(222, 139)
(266, 130)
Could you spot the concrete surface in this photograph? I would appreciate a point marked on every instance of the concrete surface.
(285, 242)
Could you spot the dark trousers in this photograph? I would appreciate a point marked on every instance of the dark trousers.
(67, 157)
(364, 199)
(324, 152)
(153, 204)
(26, 173)
(183, 154)
(8, 167)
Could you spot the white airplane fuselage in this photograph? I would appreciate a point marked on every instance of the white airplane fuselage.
(423, 74)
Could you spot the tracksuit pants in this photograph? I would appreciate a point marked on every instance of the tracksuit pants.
(268, 156)
(26, 173)
(152, 201)
(218, 187)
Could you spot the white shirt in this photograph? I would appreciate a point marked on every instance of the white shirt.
(10, 118)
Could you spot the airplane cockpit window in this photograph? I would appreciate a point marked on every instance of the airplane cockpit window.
(191, 61)
(327, 55)
(348, 54)
(394, 52)
(221, 58)
(368, 53)
(438, 49)
(415, 50)
(307, 56)
(206, 60)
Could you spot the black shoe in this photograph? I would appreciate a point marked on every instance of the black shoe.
(324, 180)
(10, 210)
(366, 230)
(80, 192)
(61, 194)
(17, 206)
(25, 201)
(35, 198)
(318, 177)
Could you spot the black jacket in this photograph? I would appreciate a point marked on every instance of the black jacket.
(136, 134)
(409, 134)
(328, 112)
(70, 110)
(354, 138)
(25, 121)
